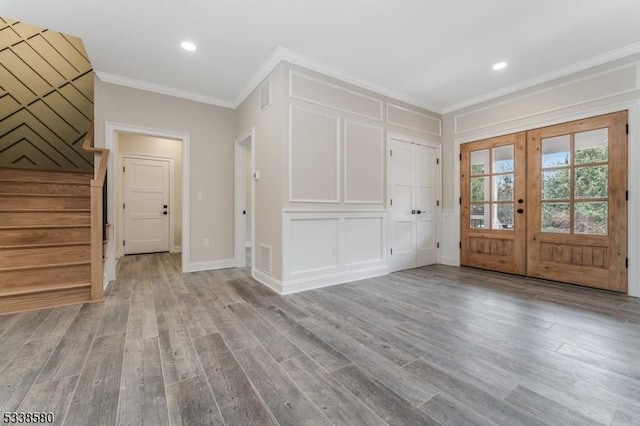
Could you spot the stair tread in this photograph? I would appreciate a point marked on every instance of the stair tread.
(28, 246)
(45, 182)
(49, 265)
(11, 227)
(41, 288)
(29, 194)
(45, 210)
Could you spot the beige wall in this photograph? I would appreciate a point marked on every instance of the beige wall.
(133, 144)
(269, 153)
(211, 130)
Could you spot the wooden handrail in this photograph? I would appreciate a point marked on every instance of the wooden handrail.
(97, 224)
(87, 145)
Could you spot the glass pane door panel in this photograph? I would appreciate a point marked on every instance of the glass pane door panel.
(556, 217)
(592, 146)
(592, 182)
(503, 187)
(556, 184)
(480, 189)
(502, 216)
(556, 151)
(503, 161)
(591, 218)
(480, 162)
(480, 214)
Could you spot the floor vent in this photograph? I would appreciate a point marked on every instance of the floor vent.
(265, 258)
(265, 94)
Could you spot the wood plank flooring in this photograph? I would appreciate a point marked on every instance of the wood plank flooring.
(431, 346)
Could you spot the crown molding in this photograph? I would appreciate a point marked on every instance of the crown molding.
(163, 90)
(283, 54)
(595, 61)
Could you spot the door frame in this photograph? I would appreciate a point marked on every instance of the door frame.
(111, 136)
(172, 245)
(240, 146)
(401, 137)
(633, 228)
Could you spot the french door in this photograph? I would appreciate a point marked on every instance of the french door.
(549, 203)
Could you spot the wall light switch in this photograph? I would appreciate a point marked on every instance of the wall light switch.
(256, 175)
(199, 196)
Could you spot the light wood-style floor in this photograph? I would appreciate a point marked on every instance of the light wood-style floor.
(436, 345)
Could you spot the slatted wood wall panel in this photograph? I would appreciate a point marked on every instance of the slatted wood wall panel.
(46, 98)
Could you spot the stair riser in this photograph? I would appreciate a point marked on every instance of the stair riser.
(29, 257)
(47, 299)
(18, 237)
(13, 202)
(11, 187)
(21, 280)
(44, 218)
(38, 175)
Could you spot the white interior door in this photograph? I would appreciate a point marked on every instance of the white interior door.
(414, 192)
(146, 205)
(426, 205)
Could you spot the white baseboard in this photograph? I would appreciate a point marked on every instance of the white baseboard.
(176, 249)
(295, 286)
(450, 261)
(267, 280)
(215, 264)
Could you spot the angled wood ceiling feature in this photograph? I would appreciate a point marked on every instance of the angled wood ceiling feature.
(46, 98)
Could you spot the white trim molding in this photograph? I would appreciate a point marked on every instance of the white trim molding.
(240, 242)
(210, 265)
(267, 280)
(163, 90)
(304, 284)
(410, 111)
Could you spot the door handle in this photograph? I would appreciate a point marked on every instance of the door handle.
(520, 211)
(520, 201)
(165, 213)
(165, 206)
(418, 211)
(413, 212)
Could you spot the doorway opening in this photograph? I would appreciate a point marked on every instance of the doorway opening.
(154, 146)
(148, 194)
(245, 200)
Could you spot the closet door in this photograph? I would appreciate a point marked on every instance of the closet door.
(577, 226)
(414, 208)
(493, 208)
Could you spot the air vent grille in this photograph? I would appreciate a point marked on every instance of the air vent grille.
(265, 258)
(265, 94)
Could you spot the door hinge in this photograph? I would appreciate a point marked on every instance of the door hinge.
(122, 169)
(391, 202)
(123, 206)
(460, 200)
(460, 244)
(244, 212)
(391, 251)
(460, 157)
(437, 161)
(627, 128)
(124, 243)
(390, 153)
(626, 195)
(626, 263)
(438, 203)
(437, 245)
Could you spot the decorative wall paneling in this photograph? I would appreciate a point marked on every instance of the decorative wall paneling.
(325, 248)
(46, 99)
(407, 118)
(363, 163)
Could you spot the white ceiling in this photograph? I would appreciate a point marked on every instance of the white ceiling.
(433, 53)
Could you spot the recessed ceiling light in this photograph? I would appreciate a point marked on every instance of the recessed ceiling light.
(500, 66)
(188, 46)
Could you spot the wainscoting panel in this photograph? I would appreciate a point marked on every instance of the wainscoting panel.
(330, 95)
(449, 250)
(363, 163)
(314, 157)
(326, 248)
(404, 117)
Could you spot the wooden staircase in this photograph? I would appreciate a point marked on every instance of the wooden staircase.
(45, 239)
